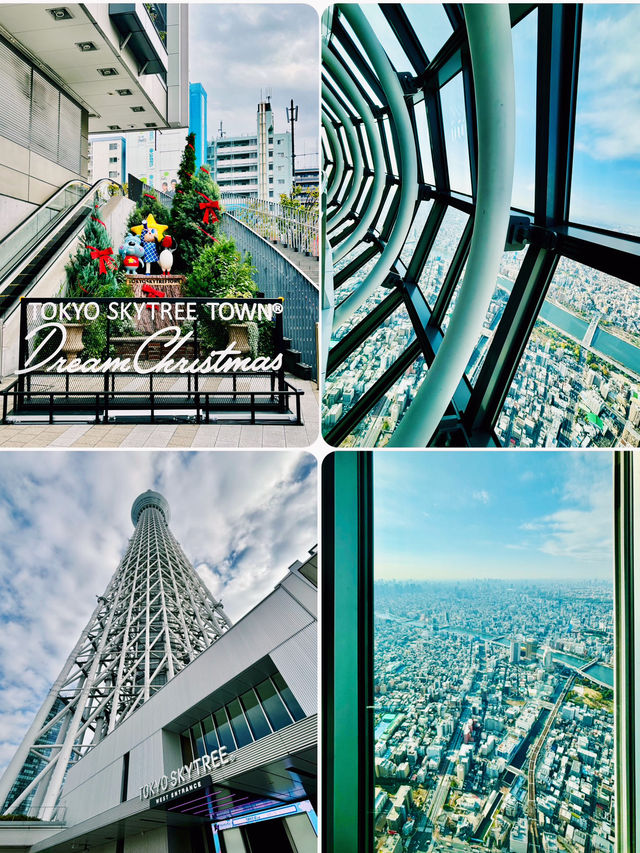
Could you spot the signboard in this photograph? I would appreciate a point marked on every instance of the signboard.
(171, 786)
(50, 325)
(267, 814)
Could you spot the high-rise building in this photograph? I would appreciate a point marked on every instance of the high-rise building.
(154, 618)
(258, 166)
(514, 651)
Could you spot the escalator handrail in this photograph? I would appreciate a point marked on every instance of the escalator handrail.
(91, 188)
(12, 234)
(64, 220)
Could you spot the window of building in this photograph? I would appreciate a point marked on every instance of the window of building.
(254, 714)
(113, 146)
(113, 159)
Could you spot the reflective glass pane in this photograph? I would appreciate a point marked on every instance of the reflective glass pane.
(273, 705)
(577, 384)
(525, 69)
(289, 699)
(415, 232)
(358, 372)
(455, 134)
(378, 425)
(257, 720)
(509, 268)
(197, 740)
(239, 724)
(441, 254)
(606, 162)
(385, 34)
(209, 731)
(424, 142)
(493, 640)
(224, 730)
(431, 25)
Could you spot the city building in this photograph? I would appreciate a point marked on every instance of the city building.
(542, 348)
(169, 728)
(256, 165)
(152, 156)
(76, 70)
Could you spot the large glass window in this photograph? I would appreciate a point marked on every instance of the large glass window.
(225, 735)
(455, 131)
(441, 254)
(273, 704)
(239, 723)
(255, 715)
(382, 29)
(577, 384)
(289, 699)
(525, 44)
(493, 626)
(431, 24)
(605, 187)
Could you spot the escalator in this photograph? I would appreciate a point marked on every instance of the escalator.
(28, 251)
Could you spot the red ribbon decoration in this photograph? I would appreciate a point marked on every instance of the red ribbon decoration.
(148, 195)
(95, 219)
(151, 291)
(103, 255)
(209, 207)
(205, 170)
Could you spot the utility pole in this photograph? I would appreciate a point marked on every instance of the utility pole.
(292, 118)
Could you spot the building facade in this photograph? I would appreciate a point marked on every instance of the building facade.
(256, 166)
(153, 156)
(74, 70)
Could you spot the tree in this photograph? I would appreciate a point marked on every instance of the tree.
(85, 280)
(84, 277)
(190, 233)
(148, 205)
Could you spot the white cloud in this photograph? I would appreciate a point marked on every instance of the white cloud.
(482, 496)
(242, 518)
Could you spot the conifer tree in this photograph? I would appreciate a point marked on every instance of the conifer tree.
(84, 278)
(187, 228)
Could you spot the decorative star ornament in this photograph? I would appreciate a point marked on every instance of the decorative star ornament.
(151, 224)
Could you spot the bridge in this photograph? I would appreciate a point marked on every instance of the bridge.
(588, 335)
(283, 246)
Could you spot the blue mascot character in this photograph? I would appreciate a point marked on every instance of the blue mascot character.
(132, 252)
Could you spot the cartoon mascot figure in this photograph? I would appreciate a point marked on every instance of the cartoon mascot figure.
(151, 233)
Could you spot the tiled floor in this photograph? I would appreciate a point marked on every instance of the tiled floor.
(171, 435)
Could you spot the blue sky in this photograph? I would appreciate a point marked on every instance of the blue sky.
(237, 50)
(493, 514)
(242, 518)
(606, 166)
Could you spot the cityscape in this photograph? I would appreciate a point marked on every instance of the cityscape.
(494, 716)
(577, 382)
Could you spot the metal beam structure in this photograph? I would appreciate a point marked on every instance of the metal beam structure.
(155, 617)
(402, 115)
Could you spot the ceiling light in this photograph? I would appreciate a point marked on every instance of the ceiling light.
(124, 92)
(85, 46)
(107, 72)
(114, 127)
(137, 109)
(60, 14)
(150, 124)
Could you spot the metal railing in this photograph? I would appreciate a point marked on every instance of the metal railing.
(277, 277)
(36, 814)
(295, 229)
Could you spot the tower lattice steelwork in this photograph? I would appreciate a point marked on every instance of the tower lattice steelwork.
(154, 618)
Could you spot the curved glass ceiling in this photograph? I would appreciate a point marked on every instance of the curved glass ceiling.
(401, 172)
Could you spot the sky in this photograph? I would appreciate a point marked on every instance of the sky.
(493, 514)
(242, 518)
(606, 166)
(239, 50)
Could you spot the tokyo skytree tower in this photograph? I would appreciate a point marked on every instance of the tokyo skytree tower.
(154, 618)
